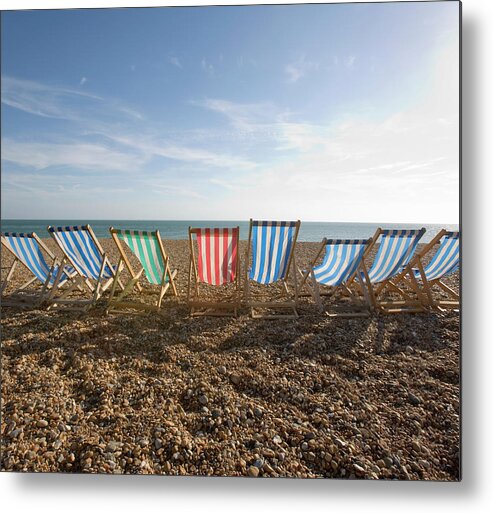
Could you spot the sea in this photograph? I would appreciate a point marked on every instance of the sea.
(309, 231)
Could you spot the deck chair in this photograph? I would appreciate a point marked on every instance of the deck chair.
(217, 264)
(444, 262)
(396, 249)
(272, 249)
(29, 250)
(149, 250)
(343, 261)
(94, 270)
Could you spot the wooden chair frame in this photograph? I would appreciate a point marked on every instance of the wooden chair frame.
(424, 290)
(230, 305)
(354, 288)
(285, 292)
(21, 297)
(82, 282)
(117, 304)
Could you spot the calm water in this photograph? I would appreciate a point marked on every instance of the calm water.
(311, 232)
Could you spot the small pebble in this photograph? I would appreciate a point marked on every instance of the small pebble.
(253, 471)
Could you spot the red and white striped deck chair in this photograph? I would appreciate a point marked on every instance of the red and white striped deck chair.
(217, 264)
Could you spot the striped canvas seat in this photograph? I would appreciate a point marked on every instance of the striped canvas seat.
(95, 273)
(146, 247)
(272, 243)
(26, 248)
(272, 249)
(217, 254)
(446, 259)
(217, 263)
(341, 260)
(396, 250)
(338, 274)
(80, 247)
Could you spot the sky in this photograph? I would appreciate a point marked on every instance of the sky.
(335, 112)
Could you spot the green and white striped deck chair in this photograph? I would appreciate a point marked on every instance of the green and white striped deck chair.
(149, 250)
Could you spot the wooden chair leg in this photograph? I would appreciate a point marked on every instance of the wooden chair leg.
(246, 288)
(364, 288)
(295, 280)
(171, 276)
(129, 286)
(315, 291)
(189, 285)
(9, 275)
(25, 285)
(447, 289)
(164, 287)
(97, 289)
(58, 277)
(116, 280)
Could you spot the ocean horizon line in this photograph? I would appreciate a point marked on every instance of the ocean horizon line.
(310, 231)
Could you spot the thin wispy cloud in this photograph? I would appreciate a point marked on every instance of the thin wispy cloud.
(267, 122)
(83, 80)
(175, 61)
(294, 72)
(349, 61)
(243, 62)
(42, 99)
(299, 68)
(301, 136)
(244, 116)
(168, 189)
(153, 146)
(80, 156)
(134, 148)
(127, 111)
(59, 102)
(163, 193)
(49, 183)
(207, 67)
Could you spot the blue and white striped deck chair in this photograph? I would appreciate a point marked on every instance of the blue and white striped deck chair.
(272, 249)
(29, 250)
(444, 262)
(342, 260)
(396, 249)
(82, 249)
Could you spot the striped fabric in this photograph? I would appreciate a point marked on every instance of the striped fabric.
(78, 244)
(342, 258)
(395, 251)
(272, 242)
(446, 259)
(217, 254)
(26, 248)
(145, 246)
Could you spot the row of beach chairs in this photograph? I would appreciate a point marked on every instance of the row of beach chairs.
(400, 278)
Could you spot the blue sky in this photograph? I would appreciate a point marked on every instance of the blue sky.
(318, 112)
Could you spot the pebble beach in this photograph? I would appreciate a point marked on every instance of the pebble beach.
(313, 397)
